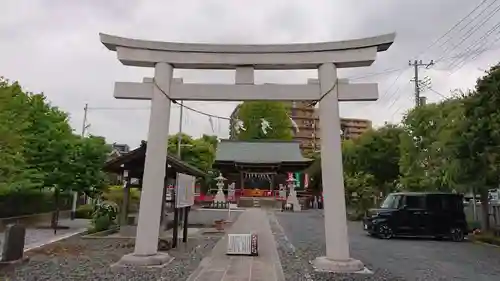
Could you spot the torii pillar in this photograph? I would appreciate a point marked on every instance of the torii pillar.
(326, 57)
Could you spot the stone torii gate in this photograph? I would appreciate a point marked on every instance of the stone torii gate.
(328, 90)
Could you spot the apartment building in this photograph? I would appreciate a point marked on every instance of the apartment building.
(307, 119)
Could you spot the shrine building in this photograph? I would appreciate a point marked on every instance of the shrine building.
(258, 167)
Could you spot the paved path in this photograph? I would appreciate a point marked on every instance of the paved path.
(265, 267)
(36, 237)
(395, 259)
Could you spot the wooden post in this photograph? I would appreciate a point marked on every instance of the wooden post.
(163, 219)
(175, 233)
(185, 229)
(242, 183)
(125, 202)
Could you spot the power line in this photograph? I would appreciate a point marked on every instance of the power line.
(452, 28)
(386, 71)
(475, 27)
(434, 91)
(392, 85)
(204, 113)
(119, 108)
(468, 52)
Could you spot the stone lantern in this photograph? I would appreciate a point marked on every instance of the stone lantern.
(219, 196)
(292, 196)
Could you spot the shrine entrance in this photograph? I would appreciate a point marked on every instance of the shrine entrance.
(259, 167)
(260, 181)
(328, 90)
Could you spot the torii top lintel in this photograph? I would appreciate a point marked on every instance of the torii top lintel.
(349, 53)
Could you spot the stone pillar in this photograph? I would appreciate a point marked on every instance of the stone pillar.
(146, 242)
(337, 243)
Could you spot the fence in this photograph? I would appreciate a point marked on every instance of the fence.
(494, 213)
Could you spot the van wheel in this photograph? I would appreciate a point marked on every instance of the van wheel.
(384, 231)
(457, 234)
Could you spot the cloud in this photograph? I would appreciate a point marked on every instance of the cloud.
(53, 47)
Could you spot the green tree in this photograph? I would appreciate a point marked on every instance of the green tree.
(197, 152)
(376, 153)
(86, 160)
(276, 113)
(427, 161)
(476, 141)
(38, 148)
(359, 191)
(14, 110)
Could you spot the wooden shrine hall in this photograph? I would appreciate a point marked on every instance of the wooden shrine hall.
(258, 167)
(133, 163)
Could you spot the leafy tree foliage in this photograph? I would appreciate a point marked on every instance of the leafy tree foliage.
(476, 145)
(453, 145)
(197, 152)
(276, 113)
(427, 161)
(39, 149)
(372, 158)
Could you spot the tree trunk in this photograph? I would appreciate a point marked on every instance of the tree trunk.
(55, 213)
(485, 211)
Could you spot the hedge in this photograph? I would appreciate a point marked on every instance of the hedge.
(29, 202)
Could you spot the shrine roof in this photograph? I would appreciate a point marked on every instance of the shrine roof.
(260, 152)
(134, 161)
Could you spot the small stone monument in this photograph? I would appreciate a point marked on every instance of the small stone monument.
(219, 196)
(292, 196)
(13, 244)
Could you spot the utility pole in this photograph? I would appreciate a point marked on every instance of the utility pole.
(179, 136)
(416, 64)
(84, 123)
(180, 213)
(75, 193)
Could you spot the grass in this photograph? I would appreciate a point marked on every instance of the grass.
(488, 238)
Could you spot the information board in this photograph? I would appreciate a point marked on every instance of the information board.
(242, 244)
(184, 190)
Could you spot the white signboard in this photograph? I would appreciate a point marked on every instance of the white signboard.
(184, 190)
(242, 244)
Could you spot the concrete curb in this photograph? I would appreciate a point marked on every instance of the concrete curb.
(55, 239)
(101, 234)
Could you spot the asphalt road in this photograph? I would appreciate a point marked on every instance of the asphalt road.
(397, 259)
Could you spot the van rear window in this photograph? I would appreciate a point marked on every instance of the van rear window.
(445, 202)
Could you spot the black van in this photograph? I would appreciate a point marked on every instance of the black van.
(428, 214)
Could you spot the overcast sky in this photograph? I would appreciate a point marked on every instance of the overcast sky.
(53, 46)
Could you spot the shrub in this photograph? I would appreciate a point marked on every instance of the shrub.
(104, 215)
(473, 225)
(84, 211)
(489, 238)
(23, 202)
(102, 223)
(115, 194)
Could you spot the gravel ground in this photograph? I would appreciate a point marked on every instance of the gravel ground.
(90, 259)
(396, 259)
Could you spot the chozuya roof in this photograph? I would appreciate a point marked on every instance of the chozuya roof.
(115, 165)
(259, 152)
(382, 42)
